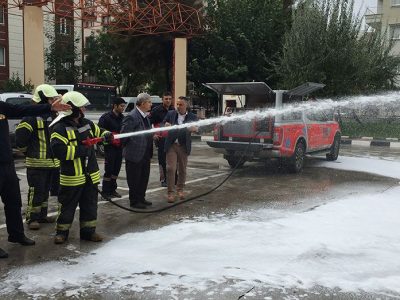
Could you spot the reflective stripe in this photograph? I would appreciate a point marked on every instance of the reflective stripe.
(78, 166)
(95, 176)
(85, 224)
(96, 130)
(25, 125)
(70, 153)
(66, 180)
(56, 135)
(57, 162)
(36, 209)
(41, 163)
(44, 204)
(63, 227)
(84, 128)
(42, 138)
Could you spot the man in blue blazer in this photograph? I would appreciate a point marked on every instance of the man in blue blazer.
(138, 151)
(178, 145)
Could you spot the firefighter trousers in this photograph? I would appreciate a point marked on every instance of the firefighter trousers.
(11, 196)
(39, 181)
(69, 197)
(112, 167)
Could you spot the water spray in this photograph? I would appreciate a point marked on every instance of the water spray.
(321, 105)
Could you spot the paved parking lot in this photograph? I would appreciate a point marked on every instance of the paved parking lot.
(256, 185)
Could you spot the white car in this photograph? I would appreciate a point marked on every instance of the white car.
(15, 98)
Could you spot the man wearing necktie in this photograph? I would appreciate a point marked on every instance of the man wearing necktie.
(138, 151)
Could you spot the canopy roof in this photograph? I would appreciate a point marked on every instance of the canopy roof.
(305, 89)
(240, 88)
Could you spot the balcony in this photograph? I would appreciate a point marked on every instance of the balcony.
(373, 17)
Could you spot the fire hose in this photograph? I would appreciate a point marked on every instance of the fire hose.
(89, 142)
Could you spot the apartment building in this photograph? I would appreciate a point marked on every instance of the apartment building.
(13, 48)
(385, 16)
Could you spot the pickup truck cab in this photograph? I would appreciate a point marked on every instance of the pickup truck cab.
(287, 137)
(15, 98)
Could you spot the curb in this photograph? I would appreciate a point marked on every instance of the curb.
(359, 142)
(371, 142)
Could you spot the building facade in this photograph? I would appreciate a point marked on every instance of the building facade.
(385, 16)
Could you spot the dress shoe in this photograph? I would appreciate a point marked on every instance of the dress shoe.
(34, 225)
(3, 254)
(171, 198)
(60, 239)
(106, 196)
(94, 237)
(148, 203)
(139, 205)
(164, 183)
(115, 194)
(48, 220)
(24, 241)
(181, 195)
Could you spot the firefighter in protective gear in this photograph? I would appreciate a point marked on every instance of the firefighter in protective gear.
(33, 139)
(112, 121)
(80, 173)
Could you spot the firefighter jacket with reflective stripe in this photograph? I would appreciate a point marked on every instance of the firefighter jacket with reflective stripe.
(33, 138)
(78, 163)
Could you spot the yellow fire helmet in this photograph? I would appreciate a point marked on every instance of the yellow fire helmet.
(47, 90)
(74, 99)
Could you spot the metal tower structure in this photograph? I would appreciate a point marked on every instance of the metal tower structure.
(138, 17)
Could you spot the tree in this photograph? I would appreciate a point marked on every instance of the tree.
(242, 40)
(14, 84)
(61, 57)
(133, 64)
(325, 44)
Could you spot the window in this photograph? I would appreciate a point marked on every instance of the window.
(67, 65)
(89, 3)
(395, 32)
(319, 116)
(395, 2)
(88, 24)
(64, 26)
(19, 100)
(1, 14)
(2, 56)
(105, 20)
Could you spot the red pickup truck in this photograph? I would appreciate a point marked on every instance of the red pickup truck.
(287, 137)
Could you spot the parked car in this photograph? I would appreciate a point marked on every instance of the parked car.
(287, 137)
(15, 98)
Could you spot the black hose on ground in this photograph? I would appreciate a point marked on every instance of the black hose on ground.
(142, 211)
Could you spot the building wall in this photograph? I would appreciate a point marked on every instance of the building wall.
(16, 43)
(4, 72)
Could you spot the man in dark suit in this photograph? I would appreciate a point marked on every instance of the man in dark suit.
(138, 151)
(178, 145)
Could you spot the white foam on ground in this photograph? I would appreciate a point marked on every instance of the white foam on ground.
(350, 244)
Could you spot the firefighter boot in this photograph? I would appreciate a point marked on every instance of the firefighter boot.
(48, 219)
(60, 238)
(92, 237)
(34, 225)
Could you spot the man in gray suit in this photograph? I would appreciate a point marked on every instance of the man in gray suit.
(138, 151)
